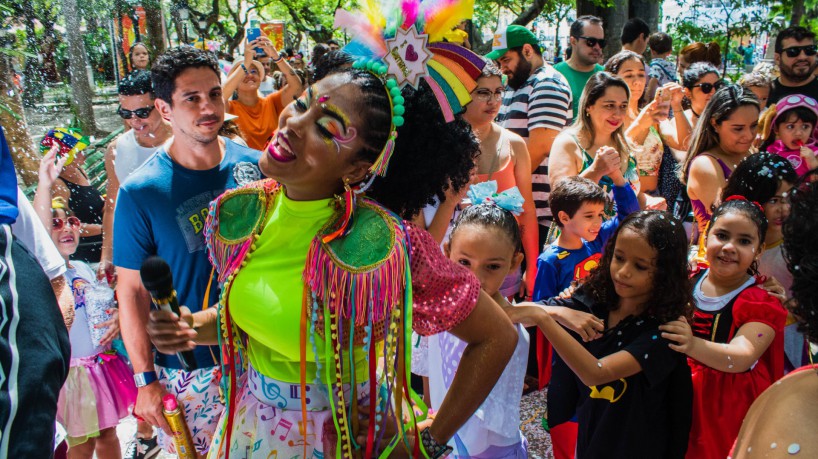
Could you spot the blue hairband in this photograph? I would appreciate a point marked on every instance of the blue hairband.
(486, 193)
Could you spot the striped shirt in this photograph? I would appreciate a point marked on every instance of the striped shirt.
(543, 102)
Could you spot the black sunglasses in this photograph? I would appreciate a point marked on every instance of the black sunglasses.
(142, 113)
(707, 87)
(795, 51)
(593, 41)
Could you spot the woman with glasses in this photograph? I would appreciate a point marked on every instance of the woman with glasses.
(64, 177)
(257, 115)
(720, 142)
(504, 158)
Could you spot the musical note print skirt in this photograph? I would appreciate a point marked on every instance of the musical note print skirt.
(267, 421)
(198, 392)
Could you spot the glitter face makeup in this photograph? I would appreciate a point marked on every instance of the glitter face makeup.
(335, 125)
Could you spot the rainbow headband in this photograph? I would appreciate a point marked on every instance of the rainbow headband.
(400, 41)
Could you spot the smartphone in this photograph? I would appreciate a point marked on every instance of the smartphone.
(253, 32)
(663, 98)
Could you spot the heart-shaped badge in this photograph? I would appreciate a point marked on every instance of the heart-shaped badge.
(411, 55)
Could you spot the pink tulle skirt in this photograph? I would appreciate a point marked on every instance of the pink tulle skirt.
(98, 393)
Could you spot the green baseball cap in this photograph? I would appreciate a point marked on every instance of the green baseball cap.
(512, 37)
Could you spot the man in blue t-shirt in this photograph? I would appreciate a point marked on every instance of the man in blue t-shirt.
(161, 210)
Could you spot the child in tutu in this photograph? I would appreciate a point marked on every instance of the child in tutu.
(99, 390)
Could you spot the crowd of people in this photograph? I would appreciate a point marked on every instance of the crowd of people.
(631, 235)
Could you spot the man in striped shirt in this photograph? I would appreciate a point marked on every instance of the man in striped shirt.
(536, 105)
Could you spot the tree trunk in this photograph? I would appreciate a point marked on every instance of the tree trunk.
(798, 10)
(530, 13)
(82, 95)
(34, 88)
(23, 153)
(646, 10)
(153, 23)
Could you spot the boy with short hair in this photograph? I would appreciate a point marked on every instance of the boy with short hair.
(578, 206)
(661, 70)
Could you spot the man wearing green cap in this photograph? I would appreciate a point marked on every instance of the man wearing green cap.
(536, 105)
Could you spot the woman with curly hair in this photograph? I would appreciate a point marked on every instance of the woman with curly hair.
(785, 416)
(639, 402)
(316, 280)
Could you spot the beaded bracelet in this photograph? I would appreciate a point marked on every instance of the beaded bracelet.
(432, 447)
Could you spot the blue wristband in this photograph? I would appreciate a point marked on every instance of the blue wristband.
(143, 379)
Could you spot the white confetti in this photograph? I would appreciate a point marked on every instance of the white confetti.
(794, 448)
(773, 445)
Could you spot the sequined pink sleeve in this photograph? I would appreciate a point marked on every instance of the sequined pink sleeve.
(444, 292)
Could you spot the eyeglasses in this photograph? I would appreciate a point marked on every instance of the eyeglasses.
(484, 95)
(58, 223)
(594, 41)
(795, 51)
(141, 113)
(707, 87)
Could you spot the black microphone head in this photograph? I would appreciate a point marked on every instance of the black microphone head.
(156, 277)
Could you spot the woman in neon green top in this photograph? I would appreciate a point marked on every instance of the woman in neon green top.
(336, 390)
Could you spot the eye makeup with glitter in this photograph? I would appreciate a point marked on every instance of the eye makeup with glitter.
(335, 125)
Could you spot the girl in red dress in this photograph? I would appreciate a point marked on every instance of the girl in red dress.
(735, 341)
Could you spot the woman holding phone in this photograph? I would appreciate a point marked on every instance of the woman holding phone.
(647, 131)
(257, 115)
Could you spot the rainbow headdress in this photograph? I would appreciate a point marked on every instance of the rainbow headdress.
(402, 39)
(70, 141)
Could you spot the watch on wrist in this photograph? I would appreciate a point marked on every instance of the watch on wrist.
(432, 447)
(143, 379)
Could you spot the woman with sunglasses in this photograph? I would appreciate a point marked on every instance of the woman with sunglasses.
(646, 129)
(64, 177)
(503, 157)
(722, 139)
(701, 81)
(257, 115)
(99, 391)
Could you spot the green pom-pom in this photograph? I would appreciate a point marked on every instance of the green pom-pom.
(399, 110)
(370, 65)
(398, 100)
(397, 121)
(391, 83)
(382, 69)
(395, 92)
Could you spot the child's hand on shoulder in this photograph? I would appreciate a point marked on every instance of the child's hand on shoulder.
(679, 332)
(588, 326)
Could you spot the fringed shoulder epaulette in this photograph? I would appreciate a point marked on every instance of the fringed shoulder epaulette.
(234, 222)
(358, 293)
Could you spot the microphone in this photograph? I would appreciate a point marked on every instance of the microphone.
(158, 281)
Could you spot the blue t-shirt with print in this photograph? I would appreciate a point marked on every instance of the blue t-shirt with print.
(161, 210)
(558, 267)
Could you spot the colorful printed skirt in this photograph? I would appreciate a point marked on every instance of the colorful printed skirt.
(267, 421)
(198, 392)
(98, 393)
